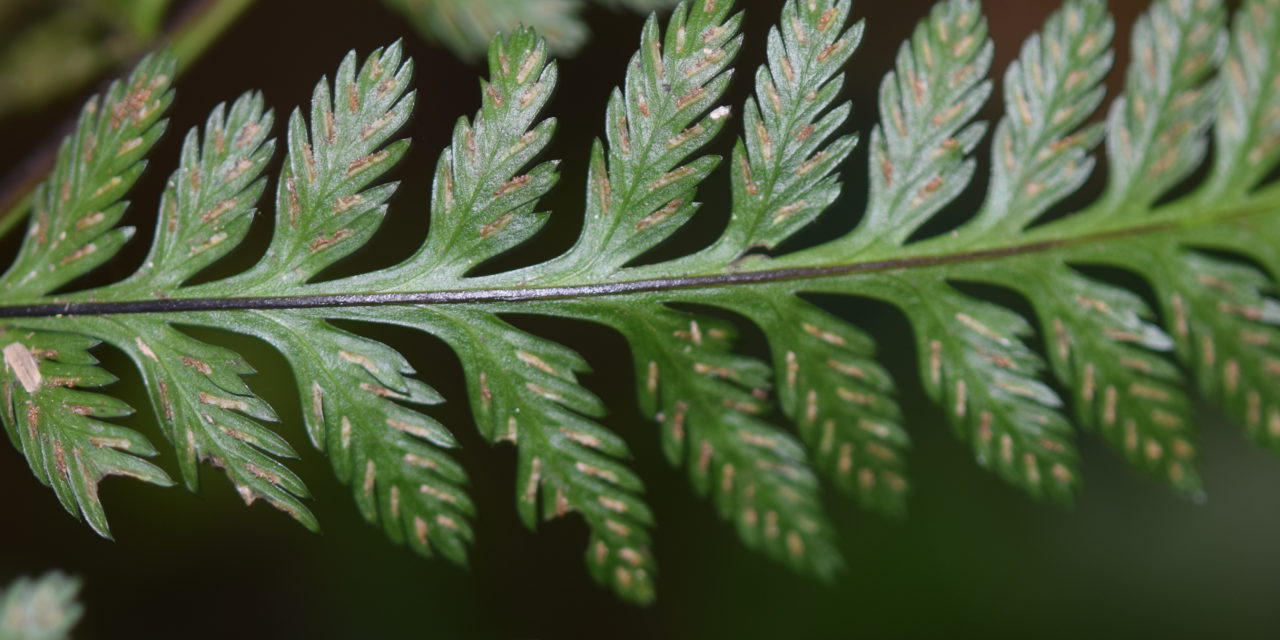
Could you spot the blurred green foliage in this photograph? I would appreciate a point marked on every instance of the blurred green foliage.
(50, 49)
(43, 608)
(465, 26)
(53, 47)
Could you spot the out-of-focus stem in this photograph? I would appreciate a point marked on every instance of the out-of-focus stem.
(200, 27)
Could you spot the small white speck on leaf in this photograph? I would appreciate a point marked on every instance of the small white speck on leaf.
(19, 359)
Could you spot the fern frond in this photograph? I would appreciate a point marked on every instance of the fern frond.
(1156, 130)
(1040, 152)
(640, 190)
(324, 195)
(485, 192)
(57, 425)
(75, 210)
(841, 400)
(709, 402)
(1210, 258)
(918, 152)
(218, 182)
(1247, 135)
(524, 390)
(354, 393)
(783, 171)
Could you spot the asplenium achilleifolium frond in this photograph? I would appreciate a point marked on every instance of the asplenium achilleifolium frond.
(1210, 256)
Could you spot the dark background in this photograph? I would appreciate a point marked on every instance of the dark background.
(974, 557)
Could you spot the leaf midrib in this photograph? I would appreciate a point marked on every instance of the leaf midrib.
(1258, 205)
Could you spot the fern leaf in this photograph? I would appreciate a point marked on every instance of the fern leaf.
(1156, 130)
(1103, 344)
(328, 207)
(971, 358)
(208, 412)
(1228, 341)
(1106, 346)
(840, 398)
(918, 152)
(975, 364)
(58, 427)
(1210, 257)
(203, 406)
(708, 401)
(1040, 151)
(640, 192)
(1247, 139)
(354, 392)
(75, 211)
(484, 200)
(637, 198)
(218, 181)
(782, 171)
(524, 390)
(205, 410)
(783, 179)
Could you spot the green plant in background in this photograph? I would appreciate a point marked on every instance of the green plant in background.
(466, 26)
(1209, 256)
(44, 608)
(71, 42)
(53, 48)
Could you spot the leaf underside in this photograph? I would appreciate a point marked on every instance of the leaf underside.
(1110, 361)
